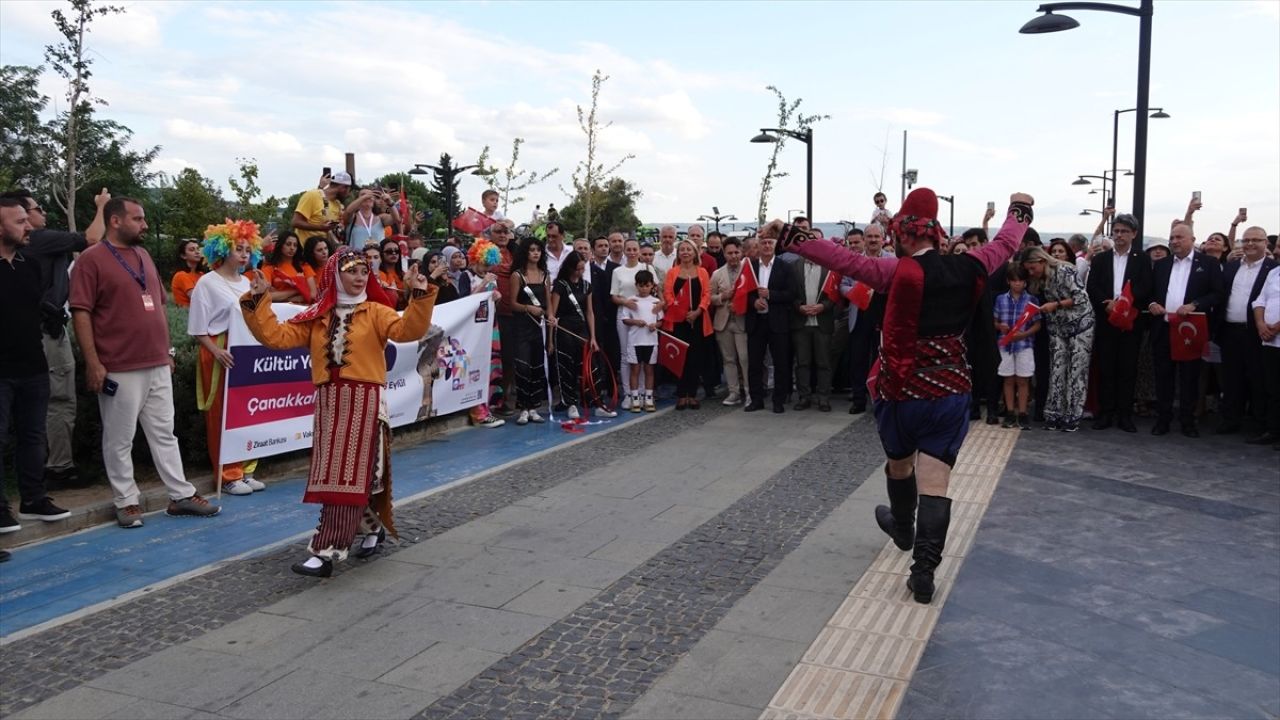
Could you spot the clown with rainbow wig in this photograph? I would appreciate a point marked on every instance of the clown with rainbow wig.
(346, 329)
(921, 381)
(230, 249)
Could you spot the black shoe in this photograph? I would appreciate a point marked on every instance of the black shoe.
(1190, 431)
(1227, 429)
(42, 509)
(1069, 427)
(1024, 421)
(824, 406)
(1102, 422)
(857, 408)
(1009, 421)
(1126, 424)
(898, 518)
(993, 418)
(64, 479)
(1265, 438)
(932, 520)
(753, 406)
(975, 414)
(7, 522)
(779, 408)
(364, 552)
(325, 570)
(1052, 425)
(5, 555)
(1161, 428)
(559, 407)
(802, 405)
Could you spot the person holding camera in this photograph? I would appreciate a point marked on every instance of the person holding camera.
(319, 210)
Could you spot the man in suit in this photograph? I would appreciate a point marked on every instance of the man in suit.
(730, 327)
(1237, 332)
(812, 328)
(1188, 281)
(769, 327)
(602, 267)
(1114, 349)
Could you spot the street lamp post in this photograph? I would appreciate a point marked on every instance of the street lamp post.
(805, 136)
(448, 174)
(1049, 22)
(951, 202)
(716, 217)
(1157, 113)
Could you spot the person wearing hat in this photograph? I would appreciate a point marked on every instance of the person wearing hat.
(922, 381)
(319, 211)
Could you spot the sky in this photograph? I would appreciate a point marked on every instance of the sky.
(987, 111)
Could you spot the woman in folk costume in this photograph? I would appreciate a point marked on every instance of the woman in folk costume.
(347, 330)
(230, 249)
(922, 381)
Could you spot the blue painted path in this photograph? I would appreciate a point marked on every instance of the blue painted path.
(51, 579)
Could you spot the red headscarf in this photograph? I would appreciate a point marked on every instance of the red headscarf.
(327, 292)
(919, 217)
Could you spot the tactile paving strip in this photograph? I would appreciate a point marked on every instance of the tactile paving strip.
(860, 664)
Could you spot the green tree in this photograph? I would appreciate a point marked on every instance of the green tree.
(247, 206)
(188, 205)
(589, 173)
(421, 198)
(510, 180)
(786, 115)
(612, 206)
(104, 158)
(445, 191)
(71, 59)
(23, 141)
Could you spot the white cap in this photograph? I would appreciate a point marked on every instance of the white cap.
(340, 178)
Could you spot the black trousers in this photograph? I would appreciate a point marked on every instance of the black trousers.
(1271, 381)
(530, 362)
(778, 344)
(1184, 376)
(864, 344)
(1242, 373)
(1116, 353)
(24, 403)
(687, 383)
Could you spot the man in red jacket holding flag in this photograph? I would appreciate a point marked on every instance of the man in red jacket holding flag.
(922, 381)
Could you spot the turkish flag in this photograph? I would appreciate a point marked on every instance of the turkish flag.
(1123, 313)
(746, 283)
(672, 352)
(831, 288)
(1027, 313)
(860, 295)
(472, 222)
(1188, 336)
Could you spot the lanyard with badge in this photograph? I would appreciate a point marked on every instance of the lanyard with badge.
(148, 303)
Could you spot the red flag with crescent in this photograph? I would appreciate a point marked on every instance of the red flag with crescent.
(1188, 336)
(860, 295)
(1028, 312)
(672, 352)
(1123, 313)
(472, 222)
(746, 283)
(831, 287)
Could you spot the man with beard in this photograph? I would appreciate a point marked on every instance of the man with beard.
(319, 211)
(117, 304)
(24, 374)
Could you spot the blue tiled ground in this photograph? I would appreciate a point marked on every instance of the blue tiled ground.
(1116, 576)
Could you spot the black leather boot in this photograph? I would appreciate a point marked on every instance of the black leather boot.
(934, 517)
(898, 519)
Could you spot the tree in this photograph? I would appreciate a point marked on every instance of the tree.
(444, 185)
(103, 159)
(23, 141)
(786, 113)
(613, 208)
(70, 59)
(420, 197)
(246, 205)
(512, 180)
(188, 204)
(589, 174)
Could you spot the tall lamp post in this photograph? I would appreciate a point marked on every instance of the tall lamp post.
(448, 174)
(805, 136)
(951, 226)
(716, 217)
(1158, 114)
(1049, 22)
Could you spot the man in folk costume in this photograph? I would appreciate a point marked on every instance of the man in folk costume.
(347, 330)
(921, 382)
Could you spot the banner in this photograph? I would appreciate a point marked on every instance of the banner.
(269, 394)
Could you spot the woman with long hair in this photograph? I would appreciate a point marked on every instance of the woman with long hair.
(1218, 246)
(292, 280)
(346, 331)
(315, 252)
(1060, 250)
(437, 272)
(529, 290)
(365, 228)
(686, 295)
(230, 249)
(622, 287)
(1070, 318)
(184, 280)
(573, 324)
(390, 271)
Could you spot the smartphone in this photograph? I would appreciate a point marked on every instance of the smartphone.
(1244, 212)
(1196, 196)
(326, 171)
(991, 205)
(109, 387)
(1111, 203)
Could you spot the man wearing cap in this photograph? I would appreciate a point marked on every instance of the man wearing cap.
(922, 381)
(319, 211)
(1115, 349)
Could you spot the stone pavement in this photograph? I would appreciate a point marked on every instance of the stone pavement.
(716, 564)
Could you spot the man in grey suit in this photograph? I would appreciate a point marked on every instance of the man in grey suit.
(812, 331)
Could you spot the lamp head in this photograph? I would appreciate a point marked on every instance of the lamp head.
(764, 137)
(417, 171)
(1049, 23)
(1081, 181)
(1160, 115)
(1085, 213)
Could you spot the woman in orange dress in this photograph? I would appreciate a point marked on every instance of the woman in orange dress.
(391, 271)
(292, 280)
(184, 281)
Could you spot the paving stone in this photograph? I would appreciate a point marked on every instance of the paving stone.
(308, 695)
(191, 678)
(248, 634)
(665, 706)
(781, 612)
(440, 668)
(736, 668)
(470, 625)
(626, 550)
(82, 703)
(550, 599)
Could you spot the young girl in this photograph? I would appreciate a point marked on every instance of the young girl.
(686, 297)
(316, 252)
(640, 315)
(184, 281)
(230, 248)
(1017, 359)
(292, 280)
(528, 305)
(437, 272)
(483, 256)
(347, 330)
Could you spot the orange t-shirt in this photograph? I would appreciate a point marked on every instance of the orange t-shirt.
(184, 281)
(287, 270)
(389, 278)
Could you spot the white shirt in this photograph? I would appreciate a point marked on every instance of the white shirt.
(1119, 263)
(762, 278)
(1175, 297)
(212, 301)
(662, 261)
(624, 280)
(1269, 301)
(646, 310)
(553, 262)
(812, 278)
(1082, 270)
(1238, 300)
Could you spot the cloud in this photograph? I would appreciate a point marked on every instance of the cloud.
(234, 139)
(963, 146)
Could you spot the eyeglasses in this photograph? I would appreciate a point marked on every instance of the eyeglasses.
(390, 252)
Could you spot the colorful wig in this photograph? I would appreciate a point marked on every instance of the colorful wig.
(220, 239)
(484, 253)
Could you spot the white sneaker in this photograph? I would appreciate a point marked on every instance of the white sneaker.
(626, 403)
(733, 399)
(534, 417)
(605, 412)
(237, 487)
(491, 422)
(255, 485)
(523, 418)
(573, 412)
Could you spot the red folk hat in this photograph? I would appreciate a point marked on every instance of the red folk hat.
(919, 217)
